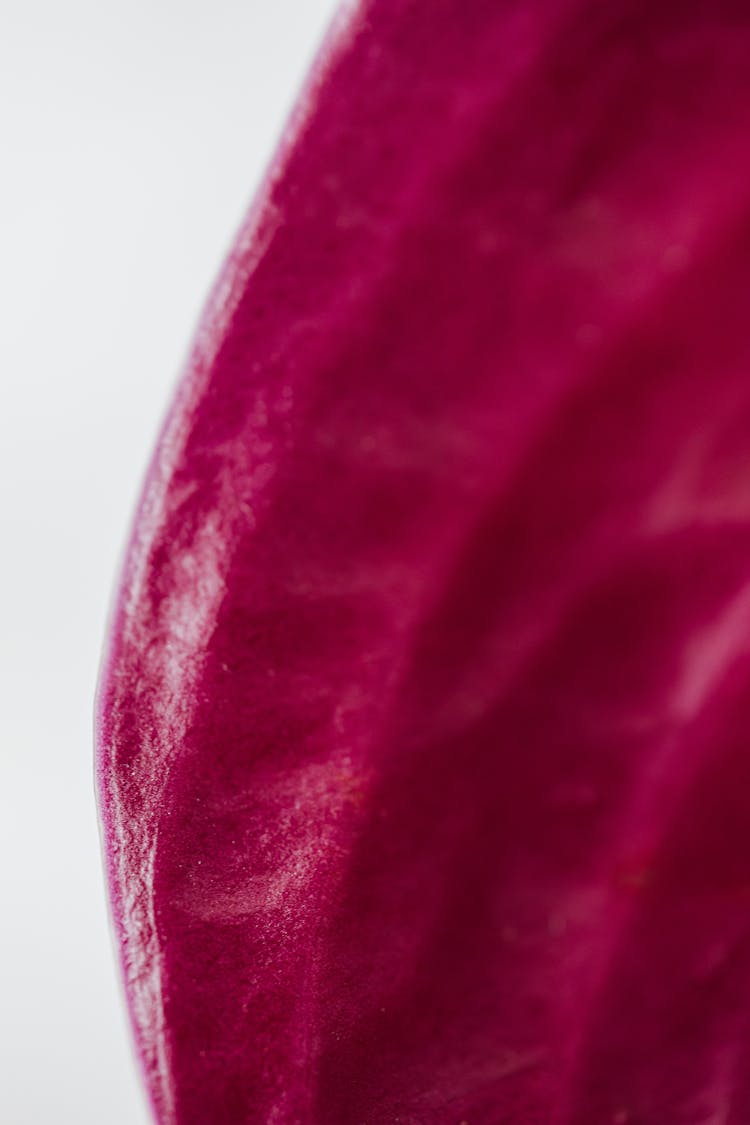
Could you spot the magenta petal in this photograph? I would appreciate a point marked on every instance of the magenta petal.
(424, 733)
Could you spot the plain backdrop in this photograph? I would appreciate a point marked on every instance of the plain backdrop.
(134, 134)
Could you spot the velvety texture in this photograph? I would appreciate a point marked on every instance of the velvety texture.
(424, 728)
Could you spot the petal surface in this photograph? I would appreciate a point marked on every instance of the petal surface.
(423, 728)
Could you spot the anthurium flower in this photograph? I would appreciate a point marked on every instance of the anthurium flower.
(424, 728)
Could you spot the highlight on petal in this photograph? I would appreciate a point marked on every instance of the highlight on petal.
(423, 729)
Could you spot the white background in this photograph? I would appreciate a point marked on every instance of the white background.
(133, 134)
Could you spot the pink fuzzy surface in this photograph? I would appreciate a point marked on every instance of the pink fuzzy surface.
(424, 727)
